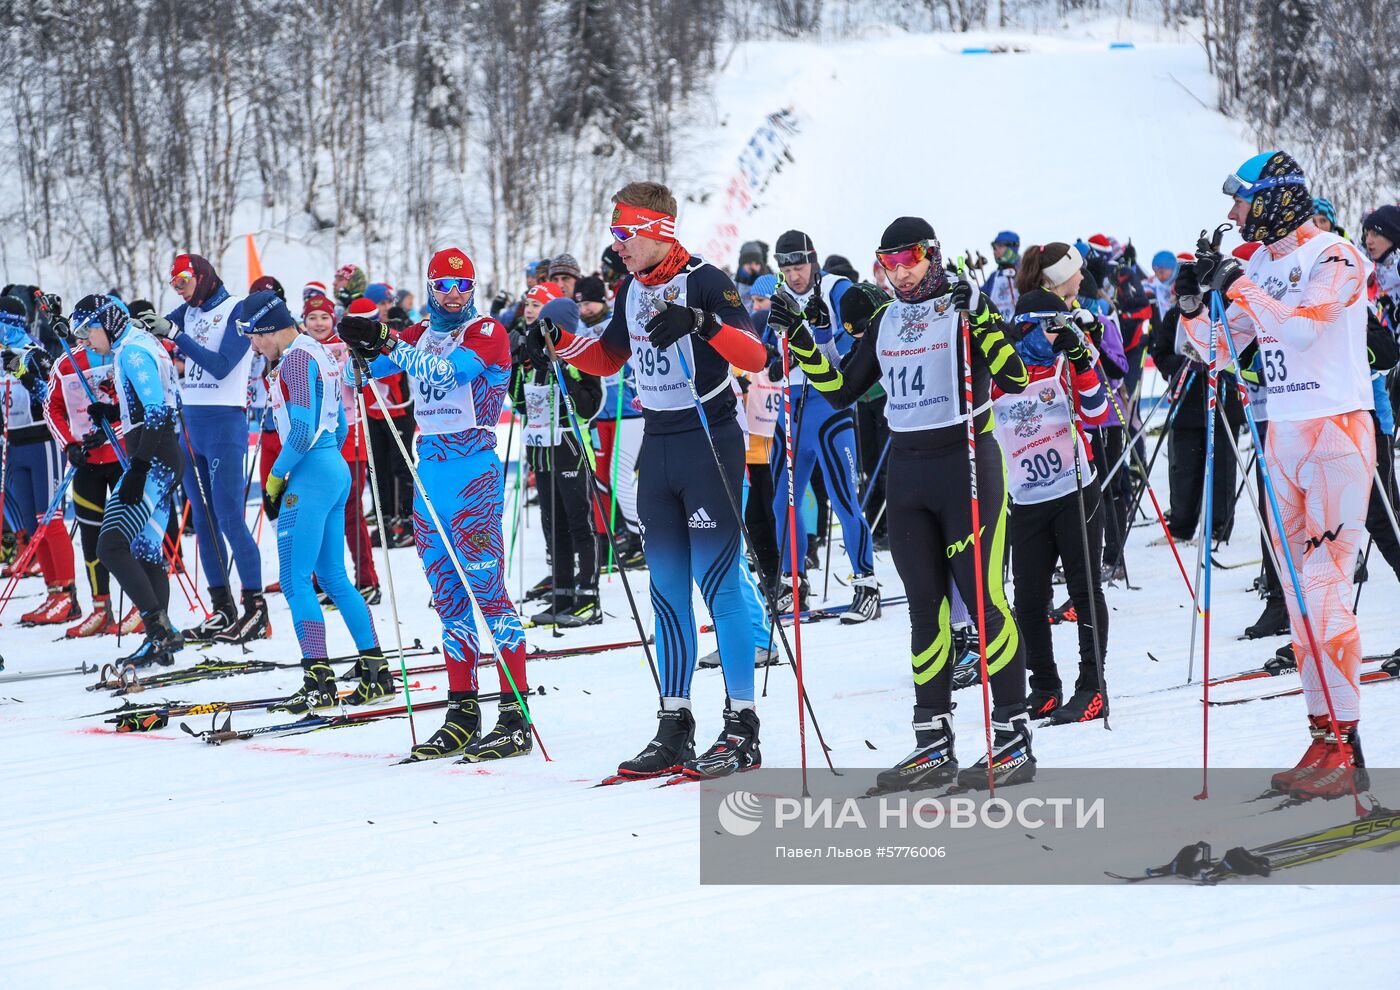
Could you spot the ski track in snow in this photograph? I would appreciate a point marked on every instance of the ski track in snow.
(151, 859)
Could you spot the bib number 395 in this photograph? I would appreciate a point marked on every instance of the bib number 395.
(652, 362)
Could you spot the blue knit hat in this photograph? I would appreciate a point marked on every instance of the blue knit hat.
(262, 312)
(1164, 259)
(764, 286)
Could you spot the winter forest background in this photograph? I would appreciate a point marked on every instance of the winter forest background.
(376, 129)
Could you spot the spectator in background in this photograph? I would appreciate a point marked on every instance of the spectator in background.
(1325, 216)
(404, 300)
(1000, 286)
(314, 289)
(395, 484)
(565, 273)
(382, 295)
(612, 269)
(350, 284)
(1164, 269)
(761, 300)
(753, 262)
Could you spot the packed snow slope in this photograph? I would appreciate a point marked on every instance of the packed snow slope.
(143, 860)
(1053, 137)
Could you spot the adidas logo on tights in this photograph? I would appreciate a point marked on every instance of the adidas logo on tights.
(700, 519)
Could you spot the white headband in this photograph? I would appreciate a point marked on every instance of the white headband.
(1062, 270)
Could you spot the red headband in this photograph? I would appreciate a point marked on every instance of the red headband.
(648, 223)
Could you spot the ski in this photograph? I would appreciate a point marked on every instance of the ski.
(1277, 665)
(824, 612)
(1389, 672)
(1378, 829)
(174, 709)
(563, 652)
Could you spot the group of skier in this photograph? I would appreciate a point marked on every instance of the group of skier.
(676, 418)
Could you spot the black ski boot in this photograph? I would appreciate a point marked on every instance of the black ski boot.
(782, 594)
(932, 763)
(583, 610)
(1043, 702)
(462, 724)
(1282, 661)
(673, 745)
(376, 680)
(1274, 621)
(735, 751)
(317, 689)
(160, 645)
(1012, 760)
(540, 589)
(866, 603)
(252, 624)
(511, 736)
(559, 605)
(1087, 704)
(223, 616)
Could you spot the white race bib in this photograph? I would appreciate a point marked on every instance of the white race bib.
(199, 387)
(919, 362)
(1037, 437)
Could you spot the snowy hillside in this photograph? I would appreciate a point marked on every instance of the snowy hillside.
(154, 860)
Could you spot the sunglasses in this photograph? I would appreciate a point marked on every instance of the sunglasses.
(627, 231)
(446, 285)
(905, 257)
(1235, 186)
(787, 258)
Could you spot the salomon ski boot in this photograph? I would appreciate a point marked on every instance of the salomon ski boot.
(932, 763)
(1012, 760)
(735, 751)
(511, 736)
(673, 745)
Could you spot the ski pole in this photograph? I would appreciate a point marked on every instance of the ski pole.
(789, 453)
(1208, 497)
(359, 367)
(879, 464)
(32, 547)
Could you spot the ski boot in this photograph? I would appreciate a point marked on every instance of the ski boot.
(673, 745)
(252, 624)
(1065, 613)
(1340, 772)
(1313, 756)
(932, 763)
(370, 593)
(735, 751)
(223, 616)
(511, 736)
(813, 560)
(462, 724)
(762, 657)
(1087, 704)
(317, 689)
(782, 594)
(131, 624)
(540, 589)
(583, 610)
(866, 604)
(1273, 622)
(1012, 760)
(1043, 702)
(400, 532)
(558, 606)
(96, 622)
(159, 646)
(376, 680)
(61, 605)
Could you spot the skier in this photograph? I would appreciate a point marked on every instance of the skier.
(560, 465)
(1001, 284)
(95, 475)
(915, 345)
(213, 411)
(1043, 437)
(305, 493)
(1381, 233)
(826, 305)
(33, 465)
(459, 365)
(134, 518)
(1303, 297)
(1164, 268)
(679, 320)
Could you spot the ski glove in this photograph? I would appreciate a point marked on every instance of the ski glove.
(159, 325)
(368, 337)
(1216, 271)
(500, 302)
(108, 411)
(673, 323)
(817, 313)
(1069, 343)
(1188, 290)
(273, 490)
(76, 455)
(789, 321)
(775, 364)
(535, 336)
(132, 487)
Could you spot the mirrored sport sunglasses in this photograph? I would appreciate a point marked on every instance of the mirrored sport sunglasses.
(1235, 186)
(905, 257)
(446, 285)
(627, 231)
(786, 258)
(82, 329)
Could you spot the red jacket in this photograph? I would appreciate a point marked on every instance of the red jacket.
(65, 408)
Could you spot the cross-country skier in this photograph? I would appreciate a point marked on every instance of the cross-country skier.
(1303, 298)
(133, 521)
(213, 400)
(679, 320)
(459, 366)
(915, 346)
(825, 304)
(34, 464)
(305, 493)
(1001, 284)
(1381, 234)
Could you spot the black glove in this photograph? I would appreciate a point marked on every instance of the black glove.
(76, 454)
(132, 488)
(500, 302)
(11, 361)
(369, 337)
(784, 316)
(962, 295)
(817, 314)
(673, 323)
(273, 490)
(536, 334)
(775, 364)
(1188, 290)
(108, 411)
(1072, 346)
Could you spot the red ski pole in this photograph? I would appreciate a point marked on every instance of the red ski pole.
(792, 557)
(979, 577)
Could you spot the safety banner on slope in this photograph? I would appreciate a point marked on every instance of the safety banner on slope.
(761, 159)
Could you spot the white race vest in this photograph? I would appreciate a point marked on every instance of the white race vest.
(328, 415)
(140, 340)
(919, 365)
(1037, 437)
(541, 416)
(199, 387)
(1333, 375)
(75, 398)
(340, 351)
(449, 410)
(1002, 291)
(662, 384)
(763, 404)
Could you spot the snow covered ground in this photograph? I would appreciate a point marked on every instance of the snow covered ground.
(155, 860)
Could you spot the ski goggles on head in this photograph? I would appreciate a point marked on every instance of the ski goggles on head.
(1235, 186)
(446, 285)
(786, 259)
(905, 257)
(633, 221)
(81, 329)
(178, 282)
